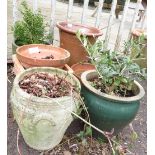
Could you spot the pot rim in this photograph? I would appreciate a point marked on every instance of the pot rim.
(60, 26)
(45, 60)
(41, 100)
(138, 32)
(80, 64)
(110, 97)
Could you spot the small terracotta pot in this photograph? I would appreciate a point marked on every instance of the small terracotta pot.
(70, 42)
(79, 68)
(37, 55)
(136, 33)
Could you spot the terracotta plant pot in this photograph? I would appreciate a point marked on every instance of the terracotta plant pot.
(136, 33)
(79, 68)
(70, 42)
(40, 55)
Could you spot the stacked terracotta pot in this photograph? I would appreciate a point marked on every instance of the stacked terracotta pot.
(70, 52)
(69, 41)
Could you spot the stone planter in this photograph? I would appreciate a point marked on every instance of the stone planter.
(42, 121)
(40, 55)
(109, 112)
(70, 42)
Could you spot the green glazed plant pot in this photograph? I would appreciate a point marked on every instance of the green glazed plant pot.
(42, 121)
(109, 112)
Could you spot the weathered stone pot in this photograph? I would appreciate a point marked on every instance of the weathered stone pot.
(38, 55)
(70, 42)
(42, 121)
(109, 112)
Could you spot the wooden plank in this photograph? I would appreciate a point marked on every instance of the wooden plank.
(70, 70)
(120, 31)
(85, 7)
(70, 9)
(111, 17)
(99, 12)
(15, 11)
(143, 23)
(17, 65)
(135, 16)
(35, 5)
(52, 20)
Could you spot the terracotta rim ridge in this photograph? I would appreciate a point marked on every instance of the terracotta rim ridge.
(82, 64)
(36, 45)
(97, 32)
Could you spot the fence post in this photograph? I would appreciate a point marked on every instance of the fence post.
(52, 20)
(119, 35)
(70, 8)
(100, 6)
(135, 17)
(85, 7)
(111, 17)
(14, 11)
(143, 23)
(35, 5)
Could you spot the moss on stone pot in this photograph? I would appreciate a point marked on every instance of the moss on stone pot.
(42, 121)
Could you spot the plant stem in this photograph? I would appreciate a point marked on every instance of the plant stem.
(19, 152)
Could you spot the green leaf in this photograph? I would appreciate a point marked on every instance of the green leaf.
(116, 69)
(124, 80)
(117, 82)
(80, 134)
(134, 136)
(88, 131)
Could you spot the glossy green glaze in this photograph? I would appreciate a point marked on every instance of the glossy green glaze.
(106, 114)
(109, 112)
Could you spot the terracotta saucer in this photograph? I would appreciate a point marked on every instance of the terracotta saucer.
(40, 55)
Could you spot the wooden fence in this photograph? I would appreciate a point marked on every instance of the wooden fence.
(98, 20)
